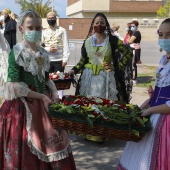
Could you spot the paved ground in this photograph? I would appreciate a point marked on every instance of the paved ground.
(94, 156)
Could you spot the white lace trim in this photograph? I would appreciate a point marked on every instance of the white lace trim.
(102, 85)
(137, 156)
(26, 58)
(44, 157)
(97, 56)
(163, 79)
(4, 55)
(13, 90)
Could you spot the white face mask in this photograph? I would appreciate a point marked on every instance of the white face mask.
(33, 36)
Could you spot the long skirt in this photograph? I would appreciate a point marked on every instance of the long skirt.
(14, 150)
(153, 151)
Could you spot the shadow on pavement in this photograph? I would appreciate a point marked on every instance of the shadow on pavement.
(96, 156)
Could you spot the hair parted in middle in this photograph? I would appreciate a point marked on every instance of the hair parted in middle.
(92, 24)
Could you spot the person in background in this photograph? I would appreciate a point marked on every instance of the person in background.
(115, 28)
(129, 69)
(135, 39)
(28, 139)
(153, 151)
(10, 28)
(101, 73)
(55, 41)
(12, 16)
(128, 34)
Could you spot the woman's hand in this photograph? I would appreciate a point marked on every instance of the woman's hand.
(147, 112)
(71, 72)
(53, 49)
(108, 66)
(145, 104)
(46, 101)
(64, 63)
(55, 98)
(150, 91)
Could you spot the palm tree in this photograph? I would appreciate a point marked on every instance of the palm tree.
(36, 5)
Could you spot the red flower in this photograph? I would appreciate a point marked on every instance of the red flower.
(121, 107)
(95, 114)
(106, 101)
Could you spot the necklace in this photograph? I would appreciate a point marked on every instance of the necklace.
(99, 52)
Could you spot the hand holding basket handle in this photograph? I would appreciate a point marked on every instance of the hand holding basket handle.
(75, 79)
(146, 103)
(71, 72)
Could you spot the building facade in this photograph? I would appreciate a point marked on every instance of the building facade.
(116, 8)
(81, 12)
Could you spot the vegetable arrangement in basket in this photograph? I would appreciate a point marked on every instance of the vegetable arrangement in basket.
(94, 108)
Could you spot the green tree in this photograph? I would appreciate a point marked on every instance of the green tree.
(37, 5)
(164, 11)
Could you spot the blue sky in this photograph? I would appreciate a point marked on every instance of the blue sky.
(59, 6)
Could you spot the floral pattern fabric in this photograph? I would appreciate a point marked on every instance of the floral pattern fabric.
(14, 150)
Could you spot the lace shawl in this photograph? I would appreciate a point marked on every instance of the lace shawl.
(97, 56)
(26, 58)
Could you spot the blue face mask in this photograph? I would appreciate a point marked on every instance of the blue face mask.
(33, 36)
(133, 28)
(164, 44)
(127, 29)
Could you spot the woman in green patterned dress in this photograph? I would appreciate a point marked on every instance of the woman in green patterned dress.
(102, 63)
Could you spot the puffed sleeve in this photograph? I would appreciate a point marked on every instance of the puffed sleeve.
(126, 55)
(13, 69)
(14, 88)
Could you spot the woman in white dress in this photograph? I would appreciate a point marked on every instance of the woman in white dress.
(153, 151)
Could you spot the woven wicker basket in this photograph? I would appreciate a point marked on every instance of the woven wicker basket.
(63, 84)
(79, 125)
(101, 131)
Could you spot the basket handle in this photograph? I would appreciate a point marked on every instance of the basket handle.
(74, 81)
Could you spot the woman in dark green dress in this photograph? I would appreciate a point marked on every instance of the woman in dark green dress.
(27, 137)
